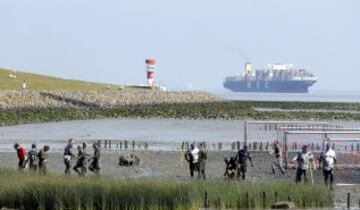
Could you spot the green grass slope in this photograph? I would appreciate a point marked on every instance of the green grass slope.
(42, 82)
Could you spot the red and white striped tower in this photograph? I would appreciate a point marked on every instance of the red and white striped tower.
(150, 70)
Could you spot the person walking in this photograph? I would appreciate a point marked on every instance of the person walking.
(242, 158)
(328, 160)
(32, 158)
(277, 163)
(68, 155)
(43, 156)
(202, 162)
(192, 157)
(81, 161)
(21, 153)
(305, 163)
(95, 165)
(86, 157)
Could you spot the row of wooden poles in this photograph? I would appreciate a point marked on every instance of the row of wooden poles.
(125, 144)
(247, 204)
(254, 146)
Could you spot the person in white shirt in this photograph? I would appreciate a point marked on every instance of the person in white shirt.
(328, 160)
(192, 156)
(304, 159)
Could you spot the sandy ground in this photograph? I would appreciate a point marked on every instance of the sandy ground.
(172, 165)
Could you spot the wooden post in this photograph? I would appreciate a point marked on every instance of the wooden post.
(120, 144)
(264, 200)
(276, 196)
(109, 144)
(105, 144)
(126, 144)
(146, 145)
(218, 203)
(348, 201)
(247, 200)
(238, 145)
(245, 132)
(133, 144)
(238, 204)
(267, 146)
(206, 200)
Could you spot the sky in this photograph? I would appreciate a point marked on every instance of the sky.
(196, 43)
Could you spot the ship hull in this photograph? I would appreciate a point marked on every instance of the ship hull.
(276, 86)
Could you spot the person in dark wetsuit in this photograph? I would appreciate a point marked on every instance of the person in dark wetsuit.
(43, 155)
(95, 160)
(202, 162)
(230, 169)
(86, 157)
(242, 157)
(68, 155)
(32, 157)
(81, 160)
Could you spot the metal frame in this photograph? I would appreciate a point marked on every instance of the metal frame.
(286, 133)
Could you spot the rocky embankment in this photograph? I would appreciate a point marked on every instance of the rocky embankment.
(10, 100)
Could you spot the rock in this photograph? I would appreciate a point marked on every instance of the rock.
(283, 205)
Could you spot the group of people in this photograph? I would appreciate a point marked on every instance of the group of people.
(82, 158)
(306, 164)
(197, 160)
(236, 165)
(37, 160)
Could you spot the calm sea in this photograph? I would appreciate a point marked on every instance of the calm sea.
(317, 96)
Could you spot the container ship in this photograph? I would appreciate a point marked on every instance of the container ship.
(278, 77)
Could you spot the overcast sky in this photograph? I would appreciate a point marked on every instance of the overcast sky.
(196, 42)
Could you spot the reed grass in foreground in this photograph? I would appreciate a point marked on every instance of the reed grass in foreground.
(32, 191)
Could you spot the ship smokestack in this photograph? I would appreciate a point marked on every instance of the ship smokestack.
(150, 70)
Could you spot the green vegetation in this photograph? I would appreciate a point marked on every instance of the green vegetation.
(220, 110)
(32, 191)
(41, 82)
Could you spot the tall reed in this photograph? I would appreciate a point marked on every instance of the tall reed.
(32, 191)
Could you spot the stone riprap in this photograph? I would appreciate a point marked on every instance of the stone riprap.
(98, 99)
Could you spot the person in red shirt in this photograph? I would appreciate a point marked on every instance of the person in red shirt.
(21, 152)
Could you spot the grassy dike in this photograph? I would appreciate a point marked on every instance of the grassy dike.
(33, 191)
(218, 110)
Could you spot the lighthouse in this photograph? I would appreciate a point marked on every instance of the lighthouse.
(150, 71)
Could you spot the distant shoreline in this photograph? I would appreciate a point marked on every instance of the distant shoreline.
(18, 107)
